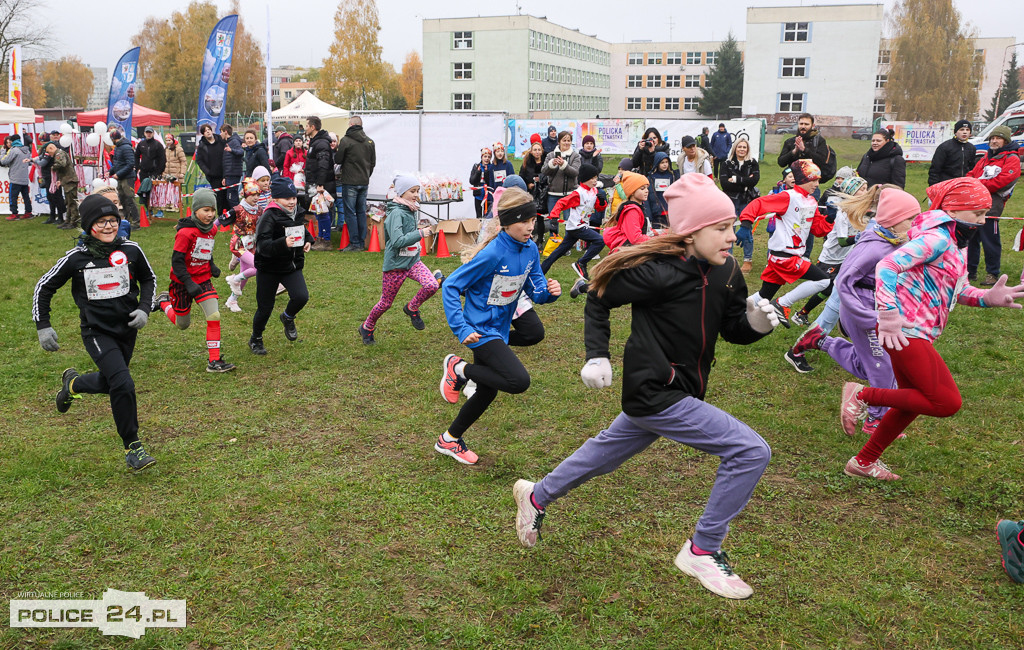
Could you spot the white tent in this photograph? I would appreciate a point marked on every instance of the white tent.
(307, 105)
(10, 114)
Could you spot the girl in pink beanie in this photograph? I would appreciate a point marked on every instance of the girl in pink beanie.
(685, 289)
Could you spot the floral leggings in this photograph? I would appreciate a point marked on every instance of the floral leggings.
(392, 282)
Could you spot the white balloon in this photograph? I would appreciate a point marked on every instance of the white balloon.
(99, 127)
(112, 182)
(65, 128)
(65, 141)
(98, 183)
(93, 139)
(107, 141)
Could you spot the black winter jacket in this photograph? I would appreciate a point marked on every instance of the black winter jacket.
(747, 174)
(273, 255)
(122, 162)
(210, 157)
(952, 159)
(281, 147)
(679, 308)
(233, 158)
(256, 156)
(100, 315)
(150, 157)
(815, 148)
(643, 159)
(320, 163)
(884, 166)
(357, 156)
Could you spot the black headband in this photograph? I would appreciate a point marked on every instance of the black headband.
(523, 212)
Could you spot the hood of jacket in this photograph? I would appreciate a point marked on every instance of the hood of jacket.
(929, 220)
(356, 133)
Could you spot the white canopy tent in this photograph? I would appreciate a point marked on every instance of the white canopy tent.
(10, 114)
(307, 105)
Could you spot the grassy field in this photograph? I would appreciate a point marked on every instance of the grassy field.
(297, 502)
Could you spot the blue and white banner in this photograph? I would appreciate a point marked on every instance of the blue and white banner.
(121, 101)
(213, 85)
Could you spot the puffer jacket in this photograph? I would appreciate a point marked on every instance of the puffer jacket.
(562, 180)
(122, 162)
(177, 163)
(884, 166)
(233, 158)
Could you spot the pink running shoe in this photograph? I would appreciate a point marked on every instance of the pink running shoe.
(451, 383)
(714, 573)
(852, 409)
(809, 340)
(457, 450)
(877, 470)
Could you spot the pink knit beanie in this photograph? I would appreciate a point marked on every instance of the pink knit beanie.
(895, 206)
(694, 201)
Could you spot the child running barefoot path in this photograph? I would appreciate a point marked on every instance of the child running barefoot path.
(491, 281)
(917, 286)
(112, 284)
(685, 289)
(402, 258)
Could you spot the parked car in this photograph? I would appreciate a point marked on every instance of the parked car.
(786, 129)
(1013, 118)
(862, 133)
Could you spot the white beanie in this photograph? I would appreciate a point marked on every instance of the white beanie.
(404, 183)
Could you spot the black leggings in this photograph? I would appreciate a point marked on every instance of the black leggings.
(266, 293)
(769, 289)
(496, 367)
(595, 243)
(112, 357)
(56, 201)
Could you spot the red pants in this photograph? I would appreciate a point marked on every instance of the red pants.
(925, 387)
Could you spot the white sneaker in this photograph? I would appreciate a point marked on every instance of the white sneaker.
(528, 518)
(235, 283)
(469, 388)
(714, 573)
(233, 264)
(232, 304)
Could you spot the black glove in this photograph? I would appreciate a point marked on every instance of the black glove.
(749, 225)
(602, 195)
(193, 289)
(214, 271)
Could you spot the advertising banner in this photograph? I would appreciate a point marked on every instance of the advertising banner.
(121, 101)
(213, 85)
(672, 132)
(919, 139)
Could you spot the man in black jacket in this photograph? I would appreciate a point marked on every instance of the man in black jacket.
(210, 158)
(357, 156)
(122, 169)
(150, 160)
(954, 157)
(281, 146)
(807, 143)
(319, 161)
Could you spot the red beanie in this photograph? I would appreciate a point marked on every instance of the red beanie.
(895, 206)
(965, 193)
(535, 139)
(694, 201)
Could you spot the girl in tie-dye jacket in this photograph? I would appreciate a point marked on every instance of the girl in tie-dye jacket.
(916, 287)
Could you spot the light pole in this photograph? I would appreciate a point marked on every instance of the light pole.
(999, 90)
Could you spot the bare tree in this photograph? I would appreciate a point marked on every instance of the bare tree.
(17, 28)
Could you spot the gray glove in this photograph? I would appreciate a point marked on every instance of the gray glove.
(48, 339)
(139, 318)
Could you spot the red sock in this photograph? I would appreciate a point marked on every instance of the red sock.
(169, 311)
(534, 502)
(696, 550)
(213, 339)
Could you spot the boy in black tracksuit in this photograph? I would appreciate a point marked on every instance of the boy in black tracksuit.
(113, 284)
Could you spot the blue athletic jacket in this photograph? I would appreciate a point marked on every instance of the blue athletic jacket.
(491, 283)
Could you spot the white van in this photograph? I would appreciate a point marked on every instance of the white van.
(1012, 117)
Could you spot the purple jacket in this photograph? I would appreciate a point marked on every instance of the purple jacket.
(856, 280)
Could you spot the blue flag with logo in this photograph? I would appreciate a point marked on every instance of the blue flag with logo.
(122, 91)
(213, 86)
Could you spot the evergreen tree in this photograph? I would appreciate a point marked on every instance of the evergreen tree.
(1009, 91)
(724, 83)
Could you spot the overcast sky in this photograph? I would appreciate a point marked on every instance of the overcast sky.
(99, 32)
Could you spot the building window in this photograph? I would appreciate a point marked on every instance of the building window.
(881, 80)
(693, 58)
(692, 81)
(711, 58)
(635, 58)
(462, 40)
(671, 103)
(464, 71)
(632, 103)
(635, 81)
(796, 32)
(884, 57)
(792, 102)
(654, 81)
(533, 42)
(792, 68)
(672, 80)
(654, 58)
(879, 105)
(654, 103)
(462, 101)
(690, 103)
(673, 58)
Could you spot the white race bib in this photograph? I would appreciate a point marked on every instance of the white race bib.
(203, 249)
(499, 176)
(295, 231)
(248, 242)
(505, 289)
(106, 283)
(661, 184)
(409, 251)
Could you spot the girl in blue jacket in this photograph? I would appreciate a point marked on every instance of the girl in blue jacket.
(491, 280)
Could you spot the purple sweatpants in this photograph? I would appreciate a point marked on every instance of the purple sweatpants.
(692, 422)
(864, 357)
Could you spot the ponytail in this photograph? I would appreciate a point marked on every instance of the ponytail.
(633, 256)
(860, 209)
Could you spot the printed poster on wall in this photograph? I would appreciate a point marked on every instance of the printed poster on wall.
(213, 85)
(920, 139)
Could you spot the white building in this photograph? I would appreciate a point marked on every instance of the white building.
(100, 93)
(284, 74)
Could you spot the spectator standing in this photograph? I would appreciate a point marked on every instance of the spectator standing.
(704, 140)
(807, 143)
(998, 171)
(55, 200)
(255, 152)
(282, 146)
(210, 158)
(643, 155)
(233, 158)
(357, 157)
(122, 169)
(319, 159)
(550, 143)
(177, 163)
(295, 160)
(883, 163)
(739, 175)
(721, 145)
(954, 157)
(590, 154)
(150, 161)
(64, 168)
(562, 167)
(16, 159)
(693, 158)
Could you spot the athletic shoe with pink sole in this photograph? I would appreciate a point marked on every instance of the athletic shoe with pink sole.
(528, 518)
(877, 470)
(451, 383)
(852, 409)
(809, 340)
(713, 571)
(457, 450)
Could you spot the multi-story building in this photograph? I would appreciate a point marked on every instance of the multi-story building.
(99, 95)
(284, 74)
(519, 64)
(292, 89)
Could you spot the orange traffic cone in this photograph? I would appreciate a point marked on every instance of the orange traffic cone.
(344, 241)
(423, 246)
(143, 219)
(188, 212)
(442, 245)
(374, 241)
(311, 227)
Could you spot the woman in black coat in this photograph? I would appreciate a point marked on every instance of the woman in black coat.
(643, 155)
(255, 152)
(884, 162)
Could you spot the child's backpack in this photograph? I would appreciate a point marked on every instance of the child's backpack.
(828, 170)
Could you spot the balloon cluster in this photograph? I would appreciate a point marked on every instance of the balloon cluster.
(99, 133)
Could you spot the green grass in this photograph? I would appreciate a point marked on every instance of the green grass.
(297, 503)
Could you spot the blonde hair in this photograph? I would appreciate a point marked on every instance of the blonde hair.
(859, 209)
(732, 150)
(512, 197)
(632, 256)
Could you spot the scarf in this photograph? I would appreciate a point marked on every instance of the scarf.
(100, 249)
(890, 236)
(203, 228)
(412, 205)
(885, 151)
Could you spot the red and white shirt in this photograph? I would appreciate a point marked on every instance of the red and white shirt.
(796, 216)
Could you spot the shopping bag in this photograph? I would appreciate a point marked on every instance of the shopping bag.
(553, 243)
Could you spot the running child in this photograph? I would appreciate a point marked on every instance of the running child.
(402, 258)
(685, 289)
(580, 203)
(112, 284)
(497, 271)
(281, 244)
(243, 240)
(917, 286)
(192, 269)
(796, 216)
